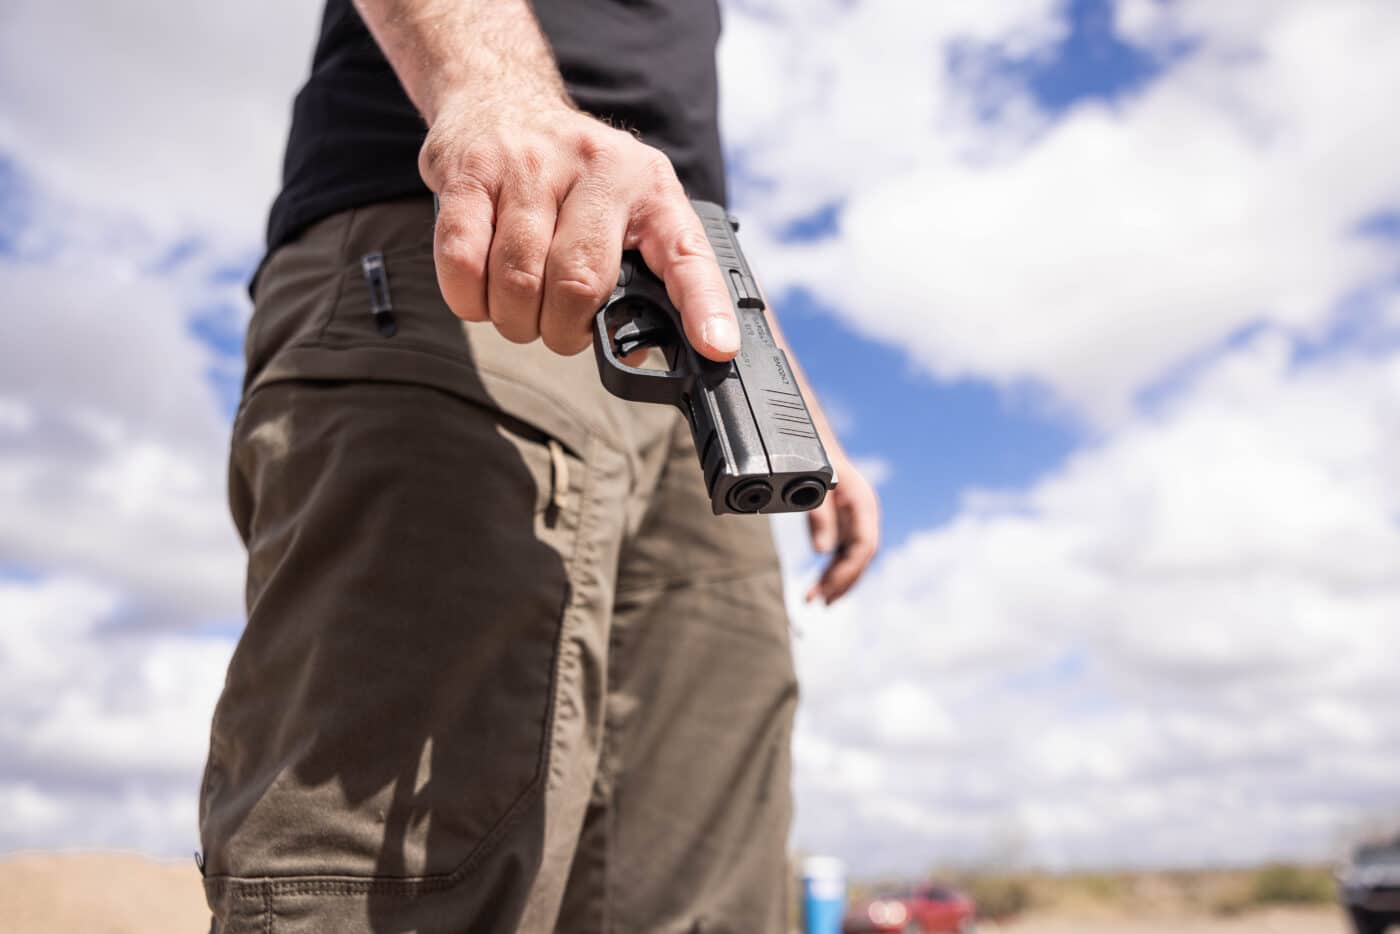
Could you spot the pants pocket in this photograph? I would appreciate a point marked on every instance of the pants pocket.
(387, 711)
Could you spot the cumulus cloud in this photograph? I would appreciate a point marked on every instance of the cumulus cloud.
(1088, 251)
(115, 436)
(116, 552)
(1173, 647)
(102, 727)
(135, 166)
(172, 112)
(1177, 647)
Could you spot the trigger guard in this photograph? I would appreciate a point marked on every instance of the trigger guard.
(641, 310)
(635, 384)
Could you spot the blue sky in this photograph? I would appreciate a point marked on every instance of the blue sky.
(1109, 301)
(968, 433)
(1091, 61)
(938, 438)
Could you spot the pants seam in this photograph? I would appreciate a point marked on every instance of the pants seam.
(267, 376)
(339, 280)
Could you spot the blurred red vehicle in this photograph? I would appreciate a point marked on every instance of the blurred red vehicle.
(924, 909)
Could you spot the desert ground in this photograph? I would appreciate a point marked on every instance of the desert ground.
(110, 893)
(1272, 921)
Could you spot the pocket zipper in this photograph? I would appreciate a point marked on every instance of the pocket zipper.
(381, 303)
(558, 476)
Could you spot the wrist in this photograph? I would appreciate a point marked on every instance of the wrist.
(471, 105)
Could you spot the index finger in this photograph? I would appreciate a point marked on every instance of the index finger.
(674, 245)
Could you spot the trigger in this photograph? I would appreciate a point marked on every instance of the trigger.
(647, 330)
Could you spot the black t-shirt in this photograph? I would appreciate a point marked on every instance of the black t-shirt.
(648, 65)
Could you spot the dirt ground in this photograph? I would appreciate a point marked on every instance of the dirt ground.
(99, 893)
(111, 893)
(1290, 921)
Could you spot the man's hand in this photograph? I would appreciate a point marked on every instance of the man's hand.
(847, 524)
(536, 205)
(536, 200)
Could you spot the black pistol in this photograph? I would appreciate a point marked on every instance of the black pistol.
(758, 448)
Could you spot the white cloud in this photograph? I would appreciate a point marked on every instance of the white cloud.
(103, 728)
(1178, 647)
(173, 112)
(1173, 648)
(1089, 252)
(112, 448)
(113, 461)
(15, 416)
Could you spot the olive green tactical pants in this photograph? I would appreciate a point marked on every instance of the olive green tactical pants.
(503, 670)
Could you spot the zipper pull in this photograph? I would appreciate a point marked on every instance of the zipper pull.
(559, 476)
(381, 304)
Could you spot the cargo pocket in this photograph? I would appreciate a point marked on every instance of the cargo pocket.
(385, 725)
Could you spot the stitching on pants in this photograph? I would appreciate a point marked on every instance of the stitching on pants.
(339, 280)
(590, 425)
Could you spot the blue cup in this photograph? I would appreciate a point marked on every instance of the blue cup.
(823, 894)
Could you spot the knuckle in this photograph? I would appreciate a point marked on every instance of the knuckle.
(444, 160)
(528, 160)
(660, 175)
(658, 166)
(582, 284)
(597, 146)
(518, 280)
(432, 156)
(690, 244)
(479, 166)
(457, 257)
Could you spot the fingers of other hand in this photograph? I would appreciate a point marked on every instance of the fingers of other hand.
(673, 243)
(857, 538)
(821, 522)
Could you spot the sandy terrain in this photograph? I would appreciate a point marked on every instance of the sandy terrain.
(1269, 922)
(99, 893)
(120, 894)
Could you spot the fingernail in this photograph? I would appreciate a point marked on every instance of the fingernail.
(721, 333)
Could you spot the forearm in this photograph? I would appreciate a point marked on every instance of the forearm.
(492, 50)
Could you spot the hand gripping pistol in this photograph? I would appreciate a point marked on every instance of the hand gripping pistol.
(758, 447)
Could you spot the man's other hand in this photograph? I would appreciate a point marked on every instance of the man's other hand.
(536, 205)
(847, 524)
